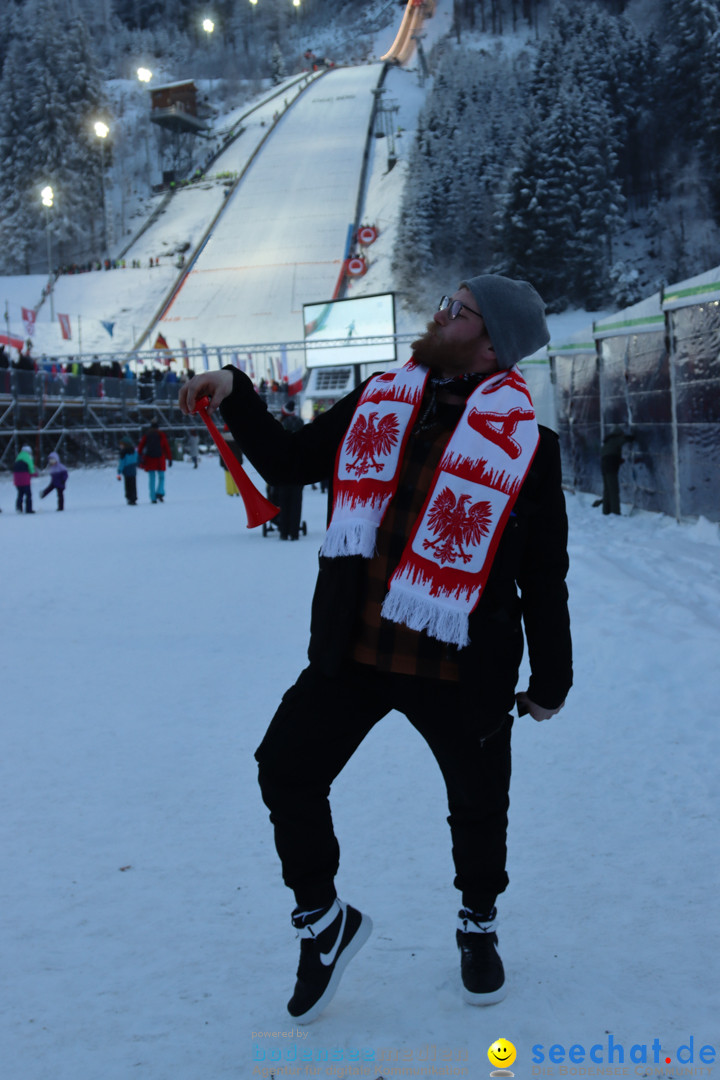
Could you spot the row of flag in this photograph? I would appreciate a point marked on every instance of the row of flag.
(278, 366)
(28, 317)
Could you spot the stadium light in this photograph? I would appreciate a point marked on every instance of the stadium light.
(145, 75)
(48, 197)
(102, 131)
(208, 26)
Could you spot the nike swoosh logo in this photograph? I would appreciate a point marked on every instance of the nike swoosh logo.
(328, 958)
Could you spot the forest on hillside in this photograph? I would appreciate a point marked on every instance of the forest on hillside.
(588, 160)
(60, 61)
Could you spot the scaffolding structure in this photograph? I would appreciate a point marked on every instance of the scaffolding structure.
(82, 417)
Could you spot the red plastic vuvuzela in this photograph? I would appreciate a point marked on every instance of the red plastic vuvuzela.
(257, 507)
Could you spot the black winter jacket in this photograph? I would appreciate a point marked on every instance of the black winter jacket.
(526, 582)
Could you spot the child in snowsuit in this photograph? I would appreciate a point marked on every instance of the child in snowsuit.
(127, 469)
(58, 479)
(23, 470)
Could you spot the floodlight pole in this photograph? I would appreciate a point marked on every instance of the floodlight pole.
(209, 27)
(102, 131)
(47, 197)
(50, 280)
(424, 69)
(144, 76)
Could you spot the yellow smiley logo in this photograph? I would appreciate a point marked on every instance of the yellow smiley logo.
(502, 1053)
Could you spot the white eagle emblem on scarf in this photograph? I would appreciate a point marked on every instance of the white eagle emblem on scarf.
(368, 440)
(456, 526)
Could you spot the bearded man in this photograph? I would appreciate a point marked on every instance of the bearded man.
(447, 533)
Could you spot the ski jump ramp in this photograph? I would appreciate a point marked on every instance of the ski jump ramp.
(280, 240)
(403, 47)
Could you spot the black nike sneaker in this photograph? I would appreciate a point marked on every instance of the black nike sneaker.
(481, 968)
(327, 944)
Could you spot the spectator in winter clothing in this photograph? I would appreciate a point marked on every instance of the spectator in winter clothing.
(610, 461)
(192, 444)
(230, 486)
(127, 469)
(448, 532)
(153, 451)
(58, 479)
(23, 471)
(289, 496)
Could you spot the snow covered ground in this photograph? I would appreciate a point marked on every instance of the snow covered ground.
(145, 926)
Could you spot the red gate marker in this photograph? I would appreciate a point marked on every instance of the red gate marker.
(257, 507)
(367, 234)
(356, 267)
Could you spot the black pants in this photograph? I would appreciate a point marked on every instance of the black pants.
(611, 485)
(60, 495)
(317, 728)
(24, 495)
(130, 489)
(289, 499)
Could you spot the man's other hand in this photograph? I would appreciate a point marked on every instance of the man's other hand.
(526, 705)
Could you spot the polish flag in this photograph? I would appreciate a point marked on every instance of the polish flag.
(64, 321)
(295, 381)
(28, 316)
(8, 339)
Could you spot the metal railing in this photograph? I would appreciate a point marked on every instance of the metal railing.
(204, 357)
(17, 383)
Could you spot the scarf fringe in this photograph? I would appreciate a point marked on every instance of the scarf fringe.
(350, 538)
(423, 613)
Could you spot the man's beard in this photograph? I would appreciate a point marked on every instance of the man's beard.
(427, 349)
(438, 357)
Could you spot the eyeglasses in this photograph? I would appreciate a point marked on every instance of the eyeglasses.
(454, 307)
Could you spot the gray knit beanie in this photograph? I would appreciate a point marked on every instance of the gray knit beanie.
(514, 314)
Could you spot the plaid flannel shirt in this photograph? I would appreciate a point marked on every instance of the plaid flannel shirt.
(389, 646)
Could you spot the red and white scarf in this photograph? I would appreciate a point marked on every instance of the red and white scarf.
(448, 556)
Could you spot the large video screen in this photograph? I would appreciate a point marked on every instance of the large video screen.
(342, 322)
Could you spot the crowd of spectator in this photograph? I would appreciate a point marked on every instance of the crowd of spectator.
(103, 369)
(273, 392)
(104, 264)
